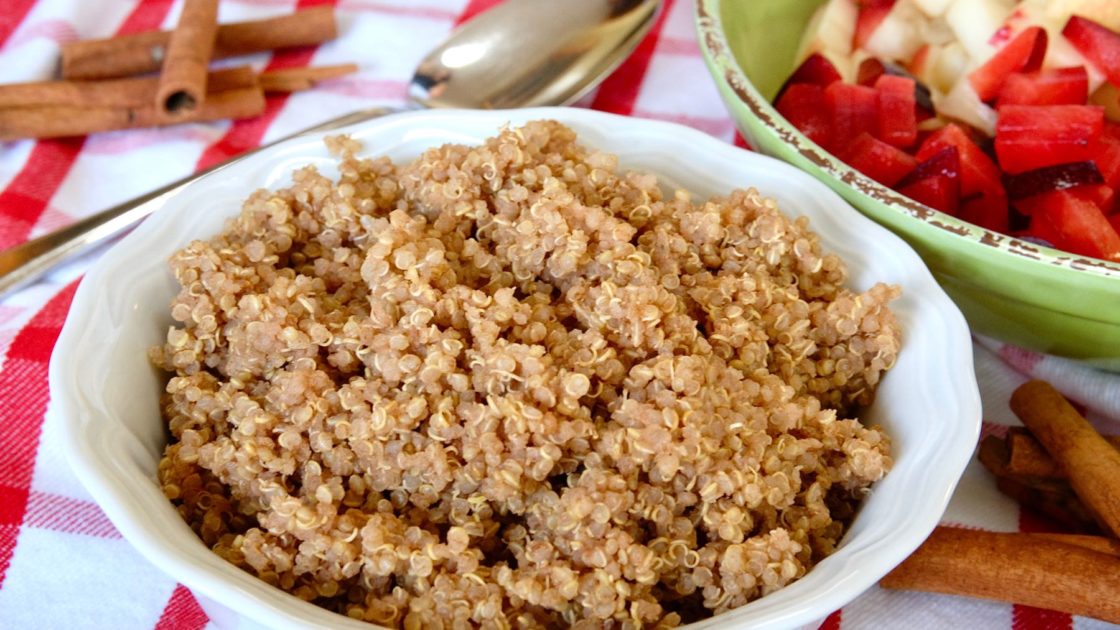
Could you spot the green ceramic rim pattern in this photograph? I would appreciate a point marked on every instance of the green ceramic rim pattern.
(1031, 295)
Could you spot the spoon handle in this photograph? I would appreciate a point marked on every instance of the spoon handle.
(23, 264)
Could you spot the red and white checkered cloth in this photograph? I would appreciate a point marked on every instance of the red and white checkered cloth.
(62, 563)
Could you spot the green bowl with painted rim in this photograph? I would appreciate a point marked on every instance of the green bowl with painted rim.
(1010, 289)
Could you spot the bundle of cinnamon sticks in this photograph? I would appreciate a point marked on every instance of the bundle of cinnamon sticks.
(1057, 465)
(160, 78)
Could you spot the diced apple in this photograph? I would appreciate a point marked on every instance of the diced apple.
(975, 22)
(937, 32)
(830, 31)
(948, 67)
(871, 15)
(962, 104)
(933, 8)
(1106, 12)
(898, 36)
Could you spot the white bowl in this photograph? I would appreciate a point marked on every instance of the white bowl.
(108, 393)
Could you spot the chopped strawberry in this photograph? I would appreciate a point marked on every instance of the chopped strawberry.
(1041, 229)
(853, 109)
(879, 160)
(816, 70)
(1099, 44)
(898, 118)
(1106, 154)
(871, 15)
(1061, 86)
(979, 174)
(989, 211)
(936, 181)
(1024, 53)
(1030, 137)
(802, 106)
(1080, 225)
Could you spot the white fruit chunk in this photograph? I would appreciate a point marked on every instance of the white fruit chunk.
(831, 30)
(899, 35)
(975, 22)
(1060, 53)
(949, 67)
(932, 8)
(963, 104)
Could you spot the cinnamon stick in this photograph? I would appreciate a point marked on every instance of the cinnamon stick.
(134, 91)
(1091, 463)
(52, 121)
(182, 80)
(1052, 498)
(142, 53)
(1019, 568)
(1020, 454)
(297, 79)
(1100, 544)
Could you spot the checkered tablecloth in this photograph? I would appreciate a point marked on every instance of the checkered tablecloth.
(62, 563)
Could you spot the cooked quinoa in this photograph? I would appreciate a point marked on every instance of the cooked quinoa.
(512, 386)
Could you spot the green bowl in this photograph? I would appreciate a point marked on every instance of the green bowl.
(1009, 289)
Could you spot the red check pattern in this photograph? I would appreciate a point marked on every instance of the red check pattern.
(47, 520)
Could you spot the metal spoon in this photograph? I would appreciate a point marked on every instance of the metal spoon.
(521, 53)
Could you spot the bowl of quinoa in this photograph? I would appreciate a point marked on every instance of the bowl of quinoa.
(517, 369)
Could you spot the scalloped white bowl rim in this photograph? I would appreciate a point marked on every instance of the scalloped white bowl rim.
(107, 393)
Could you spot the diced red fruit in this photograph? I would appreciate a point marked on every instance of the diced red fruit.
(1103, 196)
(802, 104)
(853, 109)
(935, 182)
(989, 211)
(878, 160)
(1052, 178)
(817, 70)
(1024, 53)
(1061, 86)
(871, 15)
(1079, 225)
(1041, 228)
(1099, 195)
(979, 174)
(1097, 43)
(898, 118)
(1112, 129)
(869, 71)
(1030, 137)
(1106, 155)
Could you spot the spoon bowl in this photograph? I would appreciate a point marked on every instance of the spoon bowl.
(531, 53)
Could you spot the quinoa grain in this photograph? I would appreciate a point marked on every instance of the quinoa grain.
(512, 386)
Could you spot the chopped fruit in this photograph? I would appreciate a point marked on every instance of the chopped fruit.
(963, 104)
(831, 30)
(802, 105)
(935, 182)
(879, 160)
(1108, 97)
(898, 119)
(869, 71)
(1024, 53)
(871, 15)
(1030, 137)
(1099, 44)
(898, 35)
(1080, 225)
(817, 70)
(987, 211)
(1051, 179)
(853, 109)
(979, 174)
(1061, 86)
(1098, 194)
(1041, 229)
(933, 8)
(1106, 154)
(974, 22)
